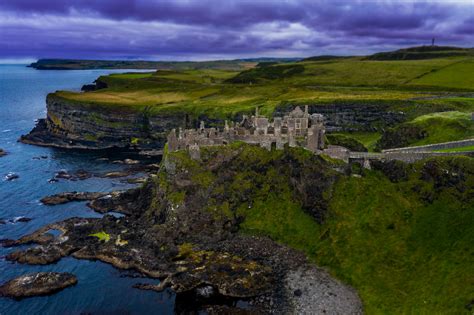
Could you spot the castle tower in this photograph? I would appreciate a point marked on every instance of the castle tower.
(256, 111)
(312, 143)
(201, 126)
(306, 112)
(172, 141)
(291, 138)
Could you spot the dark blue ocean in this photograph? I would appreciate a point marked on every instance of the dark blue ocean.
(101, 289)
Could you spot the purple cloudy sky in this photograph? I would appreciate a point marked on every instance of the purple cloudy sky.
(212, 29)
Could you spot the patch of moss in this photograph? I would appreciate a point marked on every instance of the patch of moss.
(90, 137)
(102, 236)
(55, 119)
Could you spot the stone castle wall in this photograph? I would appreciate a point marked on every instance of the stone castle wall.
(296, 129)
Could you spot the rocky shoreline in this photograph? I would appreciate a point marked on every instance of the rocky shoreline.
(200, 256)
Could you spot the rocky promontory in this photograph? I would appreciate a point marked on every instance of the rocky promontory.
(184, 226)
(41, 283)
(83, 126)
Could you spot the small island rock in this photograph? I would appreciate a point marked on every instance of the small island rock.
(34, 284)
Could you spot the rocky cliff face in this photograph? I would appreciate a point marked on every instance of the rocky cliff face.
(72, 125)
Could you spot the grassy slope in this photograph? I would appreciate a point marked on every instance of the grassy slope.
(406, 245)
(456, 75)
(445, 126)
(207, 90)
(416, 87)
(402, 254)
(75, 64)
(436, 128)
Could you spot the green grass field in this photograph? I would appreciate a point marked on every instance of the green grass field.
(218, 92)
(419, 88)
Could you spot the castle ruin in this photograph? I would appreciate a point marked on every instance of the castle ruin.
(298, 128)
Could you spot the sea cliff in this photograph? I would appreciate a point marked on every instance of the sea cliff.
(73, 124)
(76, 125)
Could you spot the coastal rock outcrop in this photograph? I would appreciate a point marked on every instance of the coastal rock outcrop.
(182, 225)
(2, 152)
(84, 126)
(41, 283)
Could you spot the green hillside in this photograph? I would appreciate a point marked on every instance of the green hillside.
(428, 129)
(414, 87)
(400, 234)
(405, 244)
(422, 52)
(75, 64)
(224, 91)
(456, 75)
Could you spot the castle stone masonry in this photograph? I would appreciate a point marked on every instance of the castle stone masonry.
(298, 128)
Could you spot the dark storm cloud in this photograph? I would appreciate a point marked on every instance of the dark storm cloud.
(203, 12)
(225, 29)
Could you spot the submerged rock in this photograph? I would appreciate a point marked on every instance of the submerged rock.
(77, 175)
(41, 283)
(20, 219)
(130, 162)
(2, 152)
(116, 174)
(11, 176)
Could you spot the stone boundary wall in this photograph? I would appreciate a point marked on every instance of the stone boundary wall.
(432, 147)
(410, 157)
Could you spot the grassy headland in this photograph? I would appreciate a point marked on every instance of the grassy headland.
(400, 234)
(435, 83)
(73, 64)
